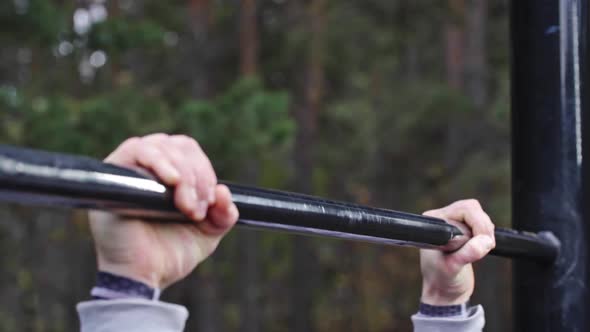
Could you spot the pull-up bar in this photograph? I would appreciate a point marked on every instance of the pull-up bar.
(39, 177)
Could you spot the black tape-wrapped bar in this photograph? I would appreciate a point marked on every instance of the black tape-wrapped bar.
(38, 177)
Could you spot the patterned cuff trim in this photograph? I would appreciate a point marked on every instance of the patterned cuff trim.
(110, 286)
(459, 310)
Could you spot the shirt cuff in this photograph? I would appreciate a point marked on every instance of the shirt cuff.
(456, 310)
(131, 315)
(473, 322)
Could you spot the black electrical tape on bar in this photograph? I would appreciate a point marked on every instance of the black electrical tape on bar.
(307, 211)
(69, 176)
(44, 177)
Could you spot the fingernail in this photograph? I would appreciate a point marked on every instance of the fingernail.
(190, 193)
(198, 215)
(487, 242)
(211, 195)
(234, 211)
(171, 172)
(202, 207)
(200, 211)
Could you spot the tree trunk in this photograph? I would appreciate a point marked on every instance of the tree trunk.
(476, 70)
(493, 292)
(249, 281)
(455, 43)
(114, 8)
(455, 63)
(248, 263)
(315, 84)
(248, 38)
(490, 272)
(198, 55)
(205, 296)
(200, 18)
(305, 276)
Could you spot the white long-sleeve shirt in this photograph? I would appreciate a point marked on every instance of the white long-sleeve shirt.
(137, 315)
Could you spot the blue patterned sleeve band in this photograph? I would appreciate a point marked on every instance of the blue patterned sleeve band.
(443, 310)
(111, 286)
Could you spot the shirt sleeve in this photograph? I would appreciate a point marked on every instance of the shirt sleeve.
(473, 322)
(131, 315)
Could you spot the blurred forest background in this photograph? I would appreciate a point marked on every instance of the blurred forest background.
(400, 104)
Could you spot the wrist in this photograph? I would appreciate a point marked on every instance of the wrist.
(150, 279)
(444, 296)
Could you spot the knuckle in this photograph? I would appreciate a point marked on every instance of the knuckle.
(471, 203)
(433, 213)
(148, 151)
(481, 252)
(211, 170)
(210, 180)
(130, 142)
(188, 144)
(155, 137)
(474, 202)
(429, 213)
(185, 140)
(223, 190)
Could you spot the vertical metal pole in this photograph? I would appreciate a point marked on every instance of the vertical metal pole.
(549, 102)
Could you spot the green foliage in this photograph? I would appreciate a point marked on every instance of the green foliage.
(120, 35)
(424, 111)
(244, 123)
(89, 126)
(39, 22)
(241, 123)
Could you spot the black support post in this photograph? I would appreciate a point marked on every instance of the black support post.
(550, 159)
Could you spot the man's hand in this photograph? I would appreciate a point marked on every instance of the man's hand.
(160, 254)
(448, 277)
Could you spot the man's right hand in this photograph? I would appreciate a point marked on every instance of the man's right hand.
(447, 278)
(159, 254)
